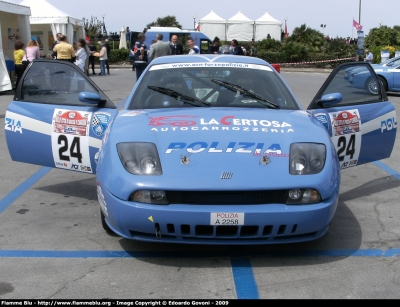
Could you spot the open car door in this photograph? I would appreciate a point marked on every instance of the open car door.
(57, 118)
(353, 107)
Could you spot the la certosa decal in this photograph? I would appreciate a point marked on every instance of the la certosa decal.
(226, 123)
(256, 149)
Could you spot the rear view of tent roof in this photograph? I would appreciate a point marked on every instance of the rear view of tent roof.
(212, 17)
(240, 17)
(41, 8)
(46, 13)
(13, 8)
(267, 18)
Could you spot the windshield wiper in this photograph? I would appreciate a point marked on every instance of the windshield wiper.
(245, 92)
(178, 96)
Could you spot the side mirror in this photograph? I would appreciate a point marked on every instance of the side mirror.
(330, 99)
(91, 98)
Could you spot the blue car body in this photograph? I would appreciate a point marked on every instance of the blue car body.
(387, 72)
(227, 174)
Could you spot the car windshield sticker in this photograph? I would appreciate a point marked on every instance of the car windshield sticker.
(346, 136)
(100, 122)
(133, 113)
(225, 123)
(210, 65)
(70, 140)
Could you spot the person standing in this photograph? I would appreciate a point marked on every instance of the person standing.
(92, 50)
(81, 57)
(19, 54)
(57, 41)
(244, 50)
(214, 48)
(86, 69)
(65, 51)
(237, 49)
(140, 53)
(81, 54)
(193, 48)
(108, 48)
(369, 57)
(103, 59)
(32, 52)
(160, 48)
(253, 51)
(176, 47)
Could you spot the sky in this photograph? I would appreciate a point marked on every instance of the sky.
(337, 15)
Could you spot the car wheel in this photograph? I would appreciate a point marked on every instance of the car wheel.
(384, 83)
(105, 225)
(372, 85)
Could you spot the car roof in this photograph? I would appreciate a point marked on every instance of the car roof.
(208, 58)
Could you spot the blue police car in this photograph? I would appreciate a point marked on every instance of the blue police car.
(207, 150)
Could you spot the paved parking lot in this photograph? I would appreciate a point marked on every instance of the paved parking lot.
(52, 244)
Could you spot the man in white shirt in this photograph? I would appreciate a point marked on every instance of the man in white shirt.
(193, 48)
(369, 56)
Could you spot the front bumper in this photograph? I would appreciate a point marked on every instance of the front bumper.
(263, 224)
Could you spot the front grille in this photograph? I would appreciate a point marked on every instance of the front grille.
(209, 232)
(227, 197)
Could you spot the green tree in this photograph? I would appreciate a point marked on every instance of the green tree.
(270, 45)
(295, 52)
(93, 26)
(312, 39)
(167, 21)
(382, 36)
(397, 28)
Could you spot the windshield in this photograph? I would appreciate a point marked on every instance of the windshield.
(393, 61)
(212, 85)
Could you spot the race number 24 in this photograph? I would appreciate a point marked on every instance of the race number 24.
(68, 151)
(346, 147)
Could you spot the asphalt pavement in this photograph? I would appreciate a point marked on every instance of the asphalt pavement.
(52, 244)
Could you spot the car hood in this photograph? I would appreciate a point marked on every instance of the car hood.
(214, 141)
(216, 125)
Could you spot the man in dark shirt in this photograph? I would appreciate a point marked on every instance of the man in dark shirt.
(237, 49)
(214, 48)
(140, 53)
(92, 49)
(176, 48)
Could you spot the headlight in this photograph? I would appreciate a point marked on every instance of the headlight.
(150, 197)
(303, 196)
(140, 158)
(307, 158)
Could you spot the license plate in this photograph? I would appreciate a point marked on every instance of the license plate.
(226, 219)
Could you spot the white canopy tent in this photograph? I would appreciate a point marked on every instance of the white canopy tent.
(212, 25)
(265, 25)
(240, 27)
(47, 18)
(14, 26)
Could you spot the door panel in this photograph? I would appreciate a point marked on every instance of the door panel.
(46, 124)
(355, 111)
(396, 79)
